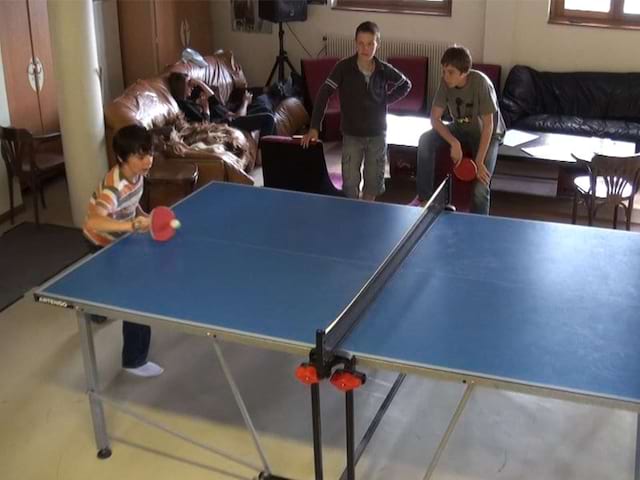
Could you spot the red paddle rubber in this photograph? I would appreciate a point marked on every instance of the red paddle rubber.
(466, 170)
(161, 228)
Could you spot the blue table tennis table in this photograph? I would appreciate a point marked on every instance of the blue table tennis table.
(535, 307)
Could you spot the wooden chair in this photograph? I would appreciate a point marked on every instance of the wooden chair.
(25, 160)
(611, 181)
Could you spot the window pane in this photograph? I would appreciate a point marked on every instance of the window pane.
(589, 5)
(632, 6)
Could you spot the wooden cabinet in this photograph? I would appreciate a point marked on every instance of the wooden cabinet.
(28, 65)
(153, 33)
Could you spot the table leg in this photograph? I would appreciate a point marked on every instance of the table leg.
(91, 373)
(447, 434)
(636, 470)
(317, 431)
(243, 409)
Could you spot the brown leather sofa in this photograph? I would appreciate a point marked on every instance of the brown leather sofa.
(149, 103)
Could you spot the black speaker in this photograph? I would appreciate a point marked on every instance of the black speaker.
(283, 10)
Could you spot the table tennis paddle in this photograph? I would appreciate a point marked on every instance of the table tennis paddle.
(163, 224)
(465, 170)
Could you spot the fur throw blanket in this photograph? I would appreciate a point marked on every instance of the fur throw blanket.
(184, 139)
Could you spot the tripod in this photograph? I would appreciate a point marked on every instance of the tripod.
(281, 59)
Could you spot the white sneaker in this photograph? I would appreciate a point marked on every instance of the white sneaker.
(147, 370)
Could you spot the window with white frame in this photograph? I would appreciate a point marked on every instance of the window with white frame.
(420, 7)
(596, 13)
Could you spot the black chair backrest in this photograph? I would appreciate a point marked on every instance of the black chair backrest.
(16, 145)
(288, 166)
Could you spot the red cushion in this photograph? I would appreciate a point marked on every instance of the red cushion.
(491, 71)
(417, 71)
(315, 71)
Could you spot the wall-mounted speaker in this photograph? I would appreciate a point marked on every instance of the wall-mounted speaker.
(283, 10)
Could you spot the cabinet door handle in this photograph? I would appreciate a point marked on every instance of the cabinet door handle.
(35, 73)
(185, 33)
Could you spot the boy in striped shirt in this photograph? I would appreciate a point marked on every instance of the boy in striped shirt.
(113, 211)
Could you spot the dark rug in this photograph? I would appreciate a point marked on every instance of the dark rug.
(30, 255)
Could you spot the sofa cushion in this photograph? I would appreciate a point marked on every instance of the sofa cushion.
(291, 117)
(493, 72)
(315, 71)
(589, 95)
(146, 102)
(416, 69)
(590, 127)
(221, 72)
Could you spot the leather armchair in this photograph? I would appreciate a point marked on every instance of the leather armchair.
(148, 102)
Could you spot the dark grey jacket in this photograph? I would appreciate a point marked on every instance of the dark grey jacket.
(363, 107)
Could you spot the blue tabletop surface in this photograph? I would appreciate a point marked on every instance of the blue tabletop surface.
(266, 262)
(530, 302)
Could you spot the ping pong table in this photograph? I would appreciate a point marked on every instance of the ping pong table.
(541, 308)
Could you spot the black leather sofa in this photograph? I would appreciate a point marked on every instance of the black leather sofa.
(597, 104)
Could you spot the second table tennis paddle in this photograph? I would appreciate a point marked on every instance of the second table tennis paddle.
(163, 224)
(466, 170)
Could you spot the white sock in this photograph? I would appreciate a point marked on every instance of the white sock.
(147, 370)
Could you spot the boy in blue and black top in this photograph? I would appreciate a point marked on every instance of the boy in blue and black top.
(366, 86)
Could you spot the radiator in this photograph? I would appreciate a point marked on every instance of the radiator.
(344, 46)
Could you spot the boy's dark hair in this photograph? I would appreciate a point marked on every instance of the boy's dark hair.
(132, 140)
(457, 56)
(177, 83)
(369, 27)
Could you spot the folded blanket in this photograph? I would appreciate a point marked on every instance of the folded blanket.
(210, 141)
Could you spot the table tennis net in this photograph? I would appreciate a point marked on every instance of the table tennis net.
(340, 328)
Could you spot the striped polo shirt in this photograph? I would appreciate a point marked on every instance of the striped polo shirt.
(119, 198)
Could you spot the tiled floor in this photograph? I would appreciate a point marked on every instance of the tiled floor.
(45, 428)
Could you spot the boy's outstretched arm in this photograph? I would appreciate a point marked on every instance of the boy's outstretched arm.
(485, 138)
(98, 221)
(443, 131)
(320, 105)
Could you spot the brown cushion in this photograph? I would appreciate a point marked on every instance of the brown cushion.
(291, 117)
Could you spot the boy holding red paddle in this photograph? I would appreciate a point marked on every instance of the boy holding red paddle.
(477, 127)
(113, 211)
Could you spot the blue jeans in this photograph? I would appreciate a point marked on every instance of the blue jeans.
(374, 152)
(431, 142)
(135, 344)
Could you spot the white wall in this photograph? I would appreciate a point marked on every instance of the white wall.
(105, 15)
(256, 52)
(517, 32)
(507, 32)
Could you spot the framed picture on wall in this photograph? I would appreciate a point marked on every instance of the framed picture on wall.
(244, 17)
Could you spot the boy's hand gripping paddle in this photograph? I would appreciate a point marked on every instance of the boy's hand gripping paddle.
(466, 170)
(163, 224)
